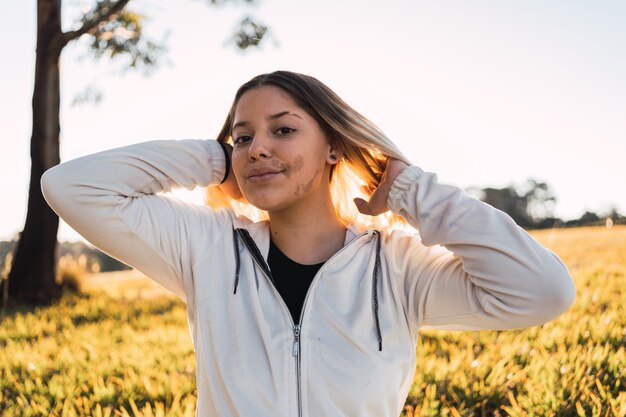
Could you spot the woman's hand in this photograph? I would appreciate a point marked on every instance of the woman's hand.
(377, 203)
(230, 186)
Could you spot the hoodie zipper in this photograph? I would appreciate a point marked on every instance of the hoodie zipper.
(296, 353)
(297, 328)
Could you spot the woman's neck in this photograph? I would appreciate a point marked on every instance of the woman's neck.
(308, 234)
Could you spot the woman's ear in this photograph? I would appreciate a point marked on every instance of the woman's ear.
(334, 155)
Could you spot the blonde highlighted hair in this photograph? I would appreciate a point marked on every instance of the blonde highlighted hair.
(363, 146)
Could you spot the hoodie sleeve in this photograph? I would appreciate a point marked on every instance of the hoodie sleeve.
(471, 266)
(111, 199)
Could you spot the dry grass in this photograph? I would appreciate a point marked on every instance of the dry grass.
(124, 284)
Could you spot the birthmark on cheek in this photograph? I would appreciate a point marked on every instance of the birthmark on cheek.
(298, 163)
(305, 188)
(295, 167)
(279, 166)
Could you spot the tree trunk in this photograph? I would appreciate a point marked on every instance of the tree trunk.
(32, 277)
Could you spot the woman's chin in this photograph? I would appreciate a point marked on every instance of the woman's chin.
(266, 203)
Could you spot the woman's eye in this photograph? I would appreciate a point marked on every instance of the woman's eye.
(241, 139)
(285, 130)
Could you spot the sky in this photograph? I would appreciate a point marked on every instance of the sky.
(483, 93)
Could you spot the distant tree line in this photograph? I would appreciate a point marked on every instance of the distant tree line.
(532, 205)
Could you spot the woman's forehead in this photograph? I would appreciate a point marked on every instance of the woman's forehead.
(265, 102)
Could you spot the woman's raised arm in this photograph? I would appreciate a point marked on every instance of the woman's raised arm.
(110, 199)
(472, 266)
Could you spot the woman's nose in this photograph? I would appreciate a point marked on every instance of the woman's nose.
(259, 148)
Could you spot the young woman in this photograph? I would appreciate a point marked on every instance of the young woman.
(315, 309)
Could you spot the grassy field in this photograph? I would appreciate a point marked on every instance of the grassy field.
(123, 349)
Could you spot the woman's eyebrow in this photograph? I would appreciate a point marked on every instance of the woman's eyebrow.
(281, 114)
(270, 117)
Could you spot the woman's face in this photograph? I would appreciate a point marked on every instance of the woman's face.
(280, 153)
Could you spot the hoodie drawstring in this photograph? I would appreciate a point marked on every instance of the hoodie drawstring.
(244, 235)
(237, 260)
(247, 239)
(375, 290)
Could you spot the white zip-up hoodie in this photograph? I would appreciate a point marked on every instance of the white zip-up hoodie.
(353, 351)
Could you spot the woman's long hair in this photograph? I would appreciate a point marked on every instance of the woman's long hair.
(363, 146)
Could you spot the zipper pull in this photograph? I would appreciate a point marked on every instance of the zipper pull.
(296, 340)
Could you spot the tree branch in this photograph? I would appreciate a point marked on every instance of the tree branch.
(95, 21)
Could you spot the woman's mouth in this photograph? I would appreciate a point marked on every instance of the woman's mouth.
(260, 177)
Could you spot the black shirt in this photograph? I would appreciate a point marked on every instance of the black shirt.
(292, 280)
